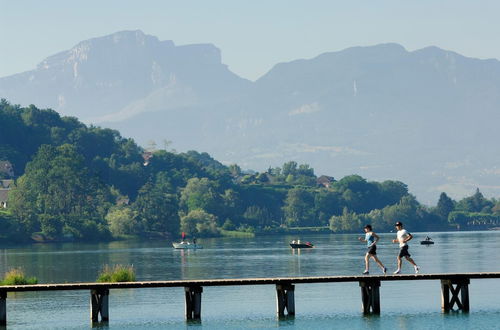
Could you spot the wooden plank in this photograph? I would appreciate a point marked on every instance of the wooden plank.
(465, 297)
(365, 300)
(285, 299)
(445, 296)
(459, 289)
(370, 296)
(3, 308)
(290, 300)
(246, 281)
(375, 299)
(193, 302)
(280, 301)
(99, 305)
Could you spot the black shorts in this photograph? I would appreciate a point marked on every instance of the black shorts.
(403, 252)
(372, 250)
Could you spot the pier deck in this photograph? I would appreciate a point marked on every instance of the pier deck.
(454, 290)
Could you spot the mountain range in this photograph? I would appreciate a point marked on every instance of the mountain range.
(427, 117)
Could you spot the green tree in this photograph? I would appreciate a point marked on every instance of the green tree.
(405, 211)
(348, 222)
(474, 203)
(123, 221)
(299, 208)
(359, 195)
(392, 192)
(201, 194)
(235, 170)
(157, 207)
(289, 168)
(58, 189)
(444, 206)
(199, 223)
(326, 204)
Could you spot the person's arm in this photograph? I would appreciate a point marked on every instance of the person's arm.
(376, 238)
(361, 239)
(409, 237)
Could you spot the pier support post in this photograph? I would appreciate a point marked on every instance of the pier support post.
(99, 304)
(3, 308)
(370, 296)
(285, 299)
(193, 302)
(455, 287)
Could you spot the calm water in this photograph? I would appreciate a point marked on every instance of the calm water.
(405, 305)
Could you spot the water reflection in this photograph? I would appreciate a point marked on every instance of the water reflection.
(317, 304)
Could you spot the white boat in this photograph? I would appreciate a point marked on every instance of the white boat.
(186, 245)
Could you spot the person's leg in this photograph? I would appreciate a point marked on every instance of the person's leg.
(367, 263)
(377, 260)
(399, 265)
(411, 261)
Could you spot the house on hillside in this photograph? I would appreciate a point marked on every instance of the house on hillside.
(325, 181)
(146, 156)
(4, 195)
(5, 186)
(6, 169)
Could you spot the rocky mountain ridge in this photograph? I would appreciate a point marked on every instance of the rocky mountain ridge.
(427, 117)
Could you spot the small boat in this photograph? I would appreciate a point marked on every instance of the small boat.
(300, 245)
(186, 245)
(427, 241)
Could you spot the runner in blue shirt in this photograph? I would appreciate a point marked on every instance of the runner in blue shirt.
(371, 240)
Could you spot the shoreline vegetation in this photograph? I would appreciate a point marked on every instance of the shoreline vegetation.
(66, 181)
(16, 276)
(116, 273)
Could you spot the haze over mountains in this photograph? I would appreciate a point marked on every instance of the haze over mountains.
(428, 118)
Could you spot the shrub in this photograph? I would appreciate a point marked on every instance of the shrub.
(16, 276)
(118, 273)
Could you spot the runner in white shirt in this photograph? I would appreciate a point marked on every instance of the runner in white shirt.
(403, 237)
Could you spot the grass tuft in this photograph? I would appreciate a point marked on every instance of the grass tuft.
(117, 273)
(16, 276)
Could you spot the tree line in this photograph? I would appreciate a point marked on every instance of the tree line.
(90, 183)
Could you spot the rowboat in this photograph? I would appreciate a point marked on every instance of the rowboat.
(427, 241)
(300, 245)
(187, 245)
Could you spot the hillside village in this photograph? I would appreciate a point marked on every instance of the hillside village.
(6, 181)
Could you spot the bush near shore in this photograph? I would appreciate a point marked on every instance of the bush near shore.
(117, 273)
(16, 276)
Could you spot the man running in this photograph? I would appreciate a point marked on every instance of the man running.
(371, 240)
(403, 237)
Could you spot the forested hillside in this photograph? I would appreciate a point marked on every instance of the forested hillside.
(74, 181)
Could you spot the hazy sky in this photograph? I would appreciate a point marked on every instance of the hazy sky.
(252, 35)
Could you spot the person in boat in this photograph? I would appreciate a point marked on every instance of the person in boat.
(403, 236)
(371, 240)
(194, 240)
(427, 238)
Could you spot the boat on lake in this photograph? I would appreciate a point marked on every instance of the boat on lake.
(301, 245)
(427, 241)
(186, 245)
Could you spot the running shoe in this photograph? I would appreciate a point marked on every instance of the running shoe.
(417, 269)
(397, 271)
(385, 270)
(366, 272)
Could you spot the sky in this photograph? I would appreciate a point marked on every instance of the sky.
(252, 35)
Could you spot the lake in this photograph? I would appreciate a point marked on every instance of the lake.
(404, 305)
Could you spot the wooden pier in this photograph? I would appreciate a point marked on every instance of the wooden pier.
(454, 291)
